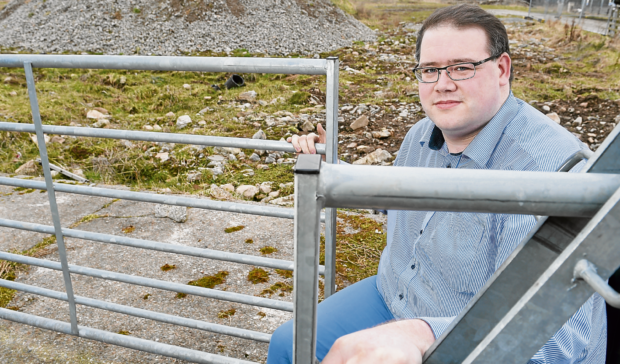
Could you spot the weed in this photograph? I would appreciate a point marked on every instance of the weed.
(136, 10)
(227, 313)
(262, 314)
(146, 296)
(167, 267)
(278, 286)
(249, 241)
(233, 229)
(110, 203)
(221, 348)
(258, 275)
(86, 219)
(210, 281)
(284, 273)
(124, 332)
(268, 250)
(181, 295)
(129, 229)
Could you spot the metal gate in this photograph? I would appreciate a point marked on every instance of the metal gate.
(327, 67)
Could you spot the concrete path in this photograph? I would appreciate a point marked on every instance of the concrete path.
(591, 25)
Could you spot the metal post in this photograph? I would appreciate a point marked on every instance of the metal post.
(529, 10)
(331, 157)
(308, 206)
(546, 8)
(36, 116)
(560, 6)
(583, 8)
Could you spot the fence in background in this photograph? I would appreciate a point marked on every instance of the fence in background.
(327, 67)
(595, 9)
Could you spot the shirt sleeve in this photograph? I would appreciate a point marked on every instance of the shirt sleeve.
(438, 324)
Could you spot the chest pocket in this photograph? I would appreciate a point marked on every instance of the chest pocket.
(452, 245)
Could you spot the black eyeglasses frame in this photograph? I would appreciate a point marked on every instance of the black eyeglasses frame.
(439, 69)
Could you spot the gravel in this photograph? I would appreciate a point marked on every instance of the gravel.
(165, 27)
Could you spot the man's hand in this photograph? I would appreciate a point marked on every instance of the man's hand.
(400, 342)
(305, 143)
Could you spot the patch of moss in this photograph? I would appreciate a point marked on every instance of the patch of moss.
(146, 296)
(262, 314)
(299, 98)
(278, 286)
(124, 332)
(181, 295)
(233, 229)
(210, 281)
(167, 267)
(249, 241)
(227, 313)
(258, 275)
(129, 229)
(86, 219)
(284, 273)
(268, 250)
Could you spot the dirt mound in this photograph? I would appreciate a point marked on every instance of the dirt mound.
(171, 27)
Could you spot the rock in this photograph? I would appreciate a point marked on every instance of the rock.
(376, 157)
(123, 80)
(227, 150)
(187, 86)
(170, 115)
(215, 171)
(101, 123)
(584, 104)
(288, 201)
(365, 149)
(12, 93)
(33, 137)
(231, 157)
(546, 108)
(228, 187)
(183, 121)
(10, 80)
(175, 213)
(352, 145)
(404, 113)
(262, 103)
(555, 117)
(568, 91)
(259, 135)
(126, 143)
(162, 156)
(30, 168)
(255, 157)
(220, 193)
(382, 134)
(270, 160)
(94, 114)
(247, 96)
(360, 122)
(248, 172)
(307, 126)
(147, 127)
(274, 194)
(247, 191)
(577, 121)
(265, 187)
(216, 158)
(262, 166)
(57, 139)
(78, 172)
(156, 127)
(193, 176)
(102, 110)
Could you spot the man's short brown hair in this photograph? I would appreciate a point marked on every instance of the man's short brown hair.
(466, 16)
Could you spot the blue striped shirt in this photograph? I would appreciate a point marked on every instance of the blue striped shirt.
(435, 262)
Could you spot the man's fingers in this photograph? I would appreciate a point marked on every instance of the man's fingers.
(295, 141)
(322, 133)
(312, 138)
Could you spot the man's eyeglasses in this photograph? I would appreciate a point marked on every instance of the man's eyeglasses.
(456, 72)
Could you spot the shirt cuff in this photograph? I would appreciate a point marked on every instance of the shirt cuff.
(437, 324)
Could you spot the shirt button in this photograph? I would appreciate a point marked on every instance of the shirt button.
(421, 231)
(449, 166)
(413, 266)
(401, 296)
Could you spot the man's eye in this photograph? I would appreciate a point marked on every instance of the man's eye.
(463, 68)
(429, 71)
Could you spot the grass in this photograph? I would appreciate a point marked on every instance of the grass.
(233, 229)
(278, 286)
(258, 275)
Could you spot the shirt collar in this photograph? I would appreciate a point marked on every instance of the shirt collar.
(483, 145)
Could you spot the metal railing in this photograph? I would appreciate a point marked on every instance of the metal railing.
(535, 291)
(327, 67)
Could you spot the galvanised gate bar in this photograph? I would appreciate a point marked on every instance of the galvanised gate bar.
(327, 67)
(565, 259)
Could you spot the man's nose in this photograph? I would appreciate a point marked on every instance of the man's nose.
(444, 83)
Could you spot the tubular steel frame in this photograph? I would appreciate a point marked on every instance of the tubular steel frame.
(543, 282)
(328, 67)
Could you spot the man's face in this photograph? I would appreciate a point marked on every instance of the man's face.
(461, 108)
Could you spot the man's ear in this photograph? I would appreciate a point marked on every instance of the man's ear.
(504, 63)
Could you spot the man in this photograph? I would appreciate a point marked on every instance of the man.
(435, 262)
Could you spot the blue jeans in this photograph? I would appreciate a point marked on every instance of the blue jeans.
(355, 308)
